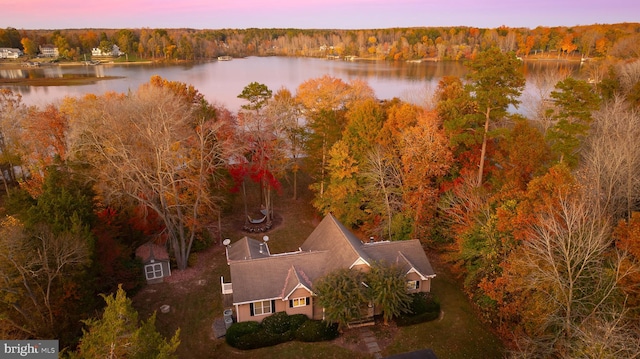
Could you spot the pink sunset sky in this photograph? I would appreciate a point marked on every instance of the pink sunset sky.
(307, 14)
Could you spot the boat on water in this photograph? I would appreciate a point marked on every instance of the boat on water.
(224, 58)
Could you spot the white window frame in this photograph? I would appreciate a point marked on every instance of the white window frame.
(299, 302)
(262, 308)
(153, 271)
(413, 285)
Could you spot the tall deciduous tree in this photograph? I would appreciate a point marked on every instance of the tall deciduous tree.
(522, 154)
(496, 83)
(285, 111)
(383, 185)
(627, 239)
(611, 160)
(569, 273)
(364, 122)
(426, 158)
(44, 140)
(38, 269)
(259, 132)
(342, 196)
(153, 148)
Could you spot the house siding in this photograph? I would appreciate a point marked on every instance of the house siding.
(243, 311)
(307, 309)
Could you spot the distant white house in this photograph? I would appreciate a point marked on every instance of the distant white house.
(49, 51)
(115, 51)
(10, 53)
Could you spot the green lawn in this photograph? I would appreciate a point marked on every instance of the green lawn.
(197, 301)
(457, 334)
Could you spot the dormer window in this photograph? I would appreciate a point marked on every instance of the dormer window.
(413, 284)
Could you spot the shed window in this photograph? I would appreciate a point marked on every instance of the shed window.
(153, 271)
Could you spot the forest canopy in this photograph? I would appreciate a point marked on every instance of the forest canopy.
(442, 43)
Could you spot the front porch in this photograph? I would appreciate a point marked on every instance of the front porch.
(366, 318)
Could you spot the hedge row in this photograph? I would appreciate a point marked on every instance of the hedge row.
(424, 308)
(279, 328)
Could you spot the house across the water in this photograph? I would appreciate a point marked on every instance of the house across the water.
(263, 283)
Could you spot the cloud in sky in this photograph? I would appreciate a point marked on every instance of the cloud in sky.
(343, 14)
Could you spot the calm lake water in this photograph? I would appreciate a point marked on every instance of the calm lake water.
(222, 81)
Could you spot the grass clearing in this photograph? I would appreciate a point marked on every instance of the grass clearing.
(457, 334)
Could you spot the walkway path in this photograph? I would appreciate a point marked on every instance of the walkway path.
(370, 341)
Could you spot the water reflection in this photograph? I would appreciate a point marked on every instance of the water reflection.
(221, 82)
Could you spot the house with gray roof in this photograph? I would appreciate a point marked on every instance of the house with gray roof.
(263, 283)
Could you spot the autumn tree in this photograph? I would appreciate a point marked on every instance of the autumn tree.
(364, 121)
(611, 159)
(522, 153)
(159, 151)
(29, 46)
(260, 134)
(426, 158)
(40, 268)
(285, 112)
(342, 196)
(383, 183)
(399, 116)
(118, 333)
(12, 113)
(627, 239)
(325, 101)
(496, 84)
(43, 141)
(565, 264)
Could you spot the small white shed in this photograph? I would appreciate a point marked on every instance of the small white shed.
(156, 262)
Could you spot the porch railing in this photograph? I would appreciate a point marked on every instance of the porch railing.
(227, 288)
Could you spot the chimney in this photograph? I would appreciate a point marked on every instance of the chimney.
(371, 239)
(261, 245)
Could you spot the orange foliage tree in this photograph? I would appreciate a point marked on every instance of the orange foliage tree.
(627, 239)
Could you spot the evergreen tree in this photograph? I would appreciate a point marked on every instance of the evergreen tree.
(574, 102)
(389, 290)
(496, 83)
(118, 334)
